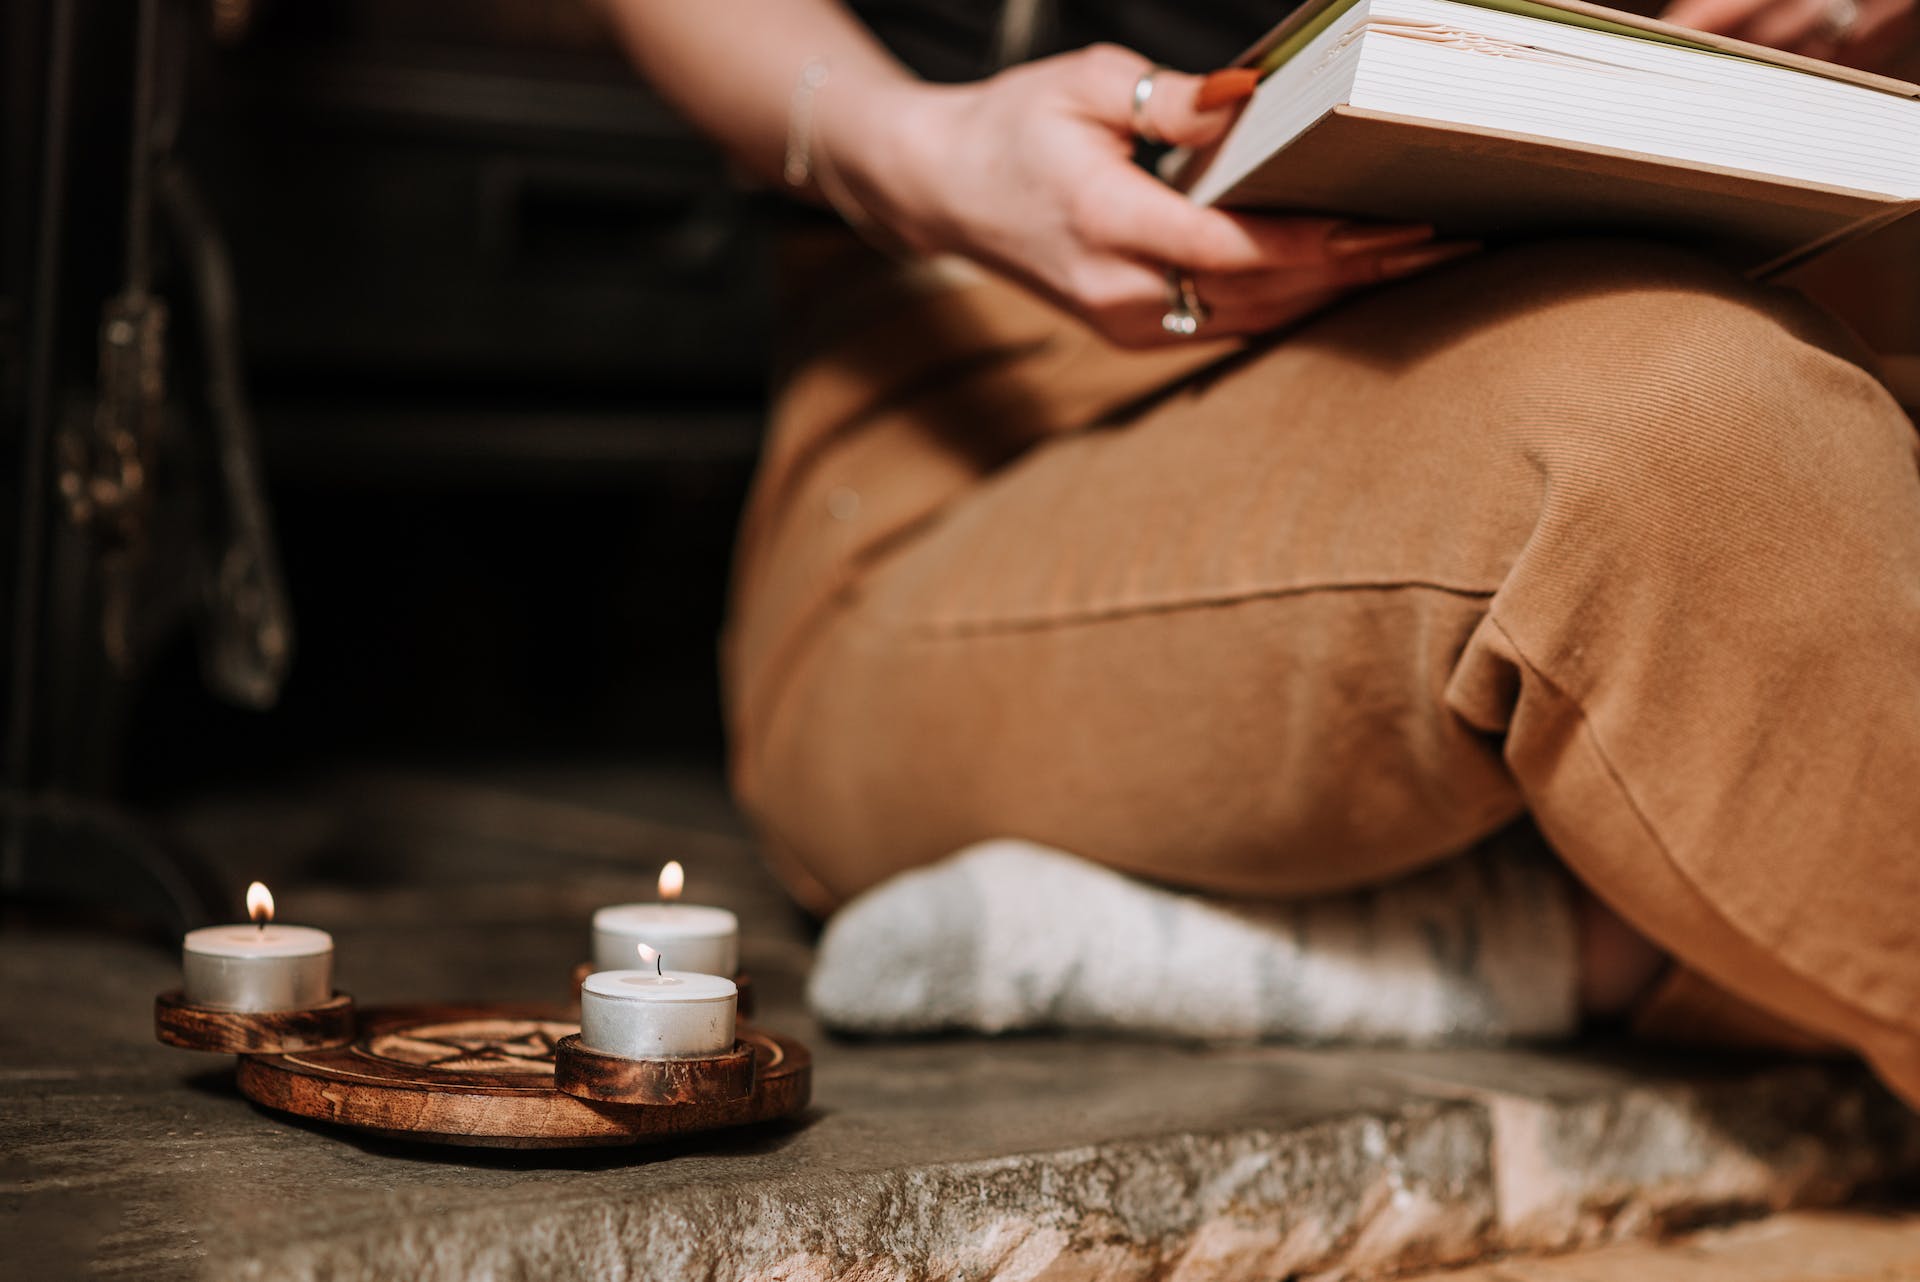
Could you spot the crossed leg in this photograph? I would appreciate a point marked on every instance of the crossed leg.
(1590, 531)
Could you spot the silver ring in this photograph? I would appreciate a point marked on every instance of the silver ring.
(1839, 19)
(1137, 113)
(1185, 312)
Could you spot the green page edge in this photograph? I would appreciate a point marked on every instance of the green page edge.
(1280, 53)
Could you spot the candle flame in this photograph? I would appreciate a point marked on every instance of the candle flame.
(649, 954)
(673, 879)
(259, 903)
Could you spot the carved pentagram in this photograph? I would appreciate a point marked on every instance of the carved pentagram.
(473, 1045)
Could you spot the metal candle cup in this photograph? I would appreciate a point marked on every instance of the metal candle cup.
(258, 968)
(641, 1014)
(694, 938)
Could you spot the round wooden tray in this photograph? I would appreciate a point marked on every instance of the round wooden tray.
(178, 1022)
(483, 1075)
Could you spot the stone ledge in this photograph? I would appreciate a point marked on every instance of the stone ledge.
(1829, 1246)
(1021, 1158)
(1250, 1203)
(1025, 1158)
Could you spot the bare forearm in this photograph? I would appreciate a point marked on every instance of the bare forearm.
(1029, 171)
(731, 67)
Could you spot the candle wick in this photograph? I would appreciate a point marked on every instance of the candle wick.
(658, 958)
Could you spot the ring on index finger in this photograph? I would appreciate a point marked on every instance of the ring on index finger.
(1137, 110)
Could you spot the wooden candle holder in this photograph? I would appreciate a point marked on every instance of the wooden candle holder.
(486, 1075)
(742, 982)
(178, 1022)
(614, 1079)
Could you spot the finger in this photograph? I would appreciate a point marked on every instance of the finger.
(1879, 29)
(1298, 299)
(1257, 288)
(1126, 300)
(1254, 303)
(1723, 16)
(1192, 111)
(1881, 32)
(1227, 88)
(1791, 24)
(1131, 213)
(1248, 320)
(1104, 81)
(1879, 17)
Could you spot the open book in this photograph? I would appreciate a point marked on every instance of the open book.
(1496, 117)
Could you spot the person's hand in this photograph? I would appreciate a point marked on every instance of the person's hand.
(1862, 33)
(1029, 172)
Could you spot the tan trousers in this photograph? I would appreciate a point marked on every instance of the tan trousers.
(1593, 531)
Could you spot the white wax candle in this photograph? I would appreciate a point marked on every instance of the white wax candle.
(255, 968)
(691, 937)
(641, 1014)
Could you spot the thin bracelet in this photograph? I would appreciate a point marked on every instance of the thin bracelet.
(807, 166)
(798, 169)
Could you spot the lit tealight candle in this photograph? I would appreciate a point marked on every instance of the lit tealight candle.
(259, 967)
(694, 938)
(656, 1013)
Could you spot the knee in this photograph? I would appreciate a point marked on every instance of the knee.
(1646, 373)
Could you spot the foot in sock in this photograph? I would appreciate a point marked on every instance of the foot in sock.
(1011, 935)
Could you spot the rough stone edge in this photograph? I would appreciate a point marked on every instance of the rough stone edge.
(1403, 1190)
(1650, 1160)
(1434, 1183)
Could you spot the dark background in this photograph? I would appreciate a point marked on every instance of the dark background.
(504, 323)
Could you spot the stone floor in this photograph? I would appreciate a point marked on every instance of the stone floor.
(1802, 1246)
(1019, 1158)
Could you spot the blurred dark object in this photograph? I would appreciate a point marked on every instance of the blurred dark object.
(507, 327)
(103, 576)
(472, 196)
(488, 321)
(507, 330)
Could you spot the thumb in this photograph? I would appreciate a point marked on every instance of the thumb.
(1708, 15)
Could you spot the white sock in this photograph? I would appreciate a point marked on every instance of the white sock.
(1010, 935)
